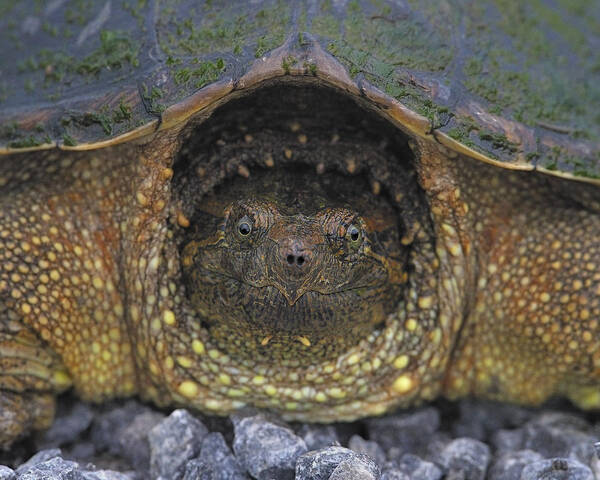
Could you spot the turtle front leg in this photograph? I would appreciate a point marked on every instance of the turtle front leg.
(533, 328)
(30, 376)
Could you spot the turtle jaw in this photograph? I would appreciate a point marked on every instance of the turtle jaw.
(285, 319)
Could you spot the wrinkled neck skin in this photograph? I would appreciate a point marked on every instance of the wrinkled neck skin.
(402, 363)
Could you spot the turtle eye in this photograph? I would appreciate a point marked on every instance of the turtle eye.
(353, 234)
(244, 227)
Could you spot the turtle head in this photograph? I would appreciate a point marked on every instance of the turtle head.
(299, 268)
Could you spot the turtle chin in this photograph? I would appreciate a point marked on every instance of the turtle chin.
(296, 326)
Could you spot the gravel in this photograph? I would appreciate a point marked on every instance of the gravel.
(173, 442)
(466, 440)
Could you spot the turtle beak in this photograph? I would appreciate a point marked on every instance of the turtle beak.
(291, 293)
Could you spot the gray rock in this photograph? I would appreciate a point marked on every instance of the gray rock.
(509, 465)
(394, 474)
(508, 440)
(479, 418)
(7, 473)
(133, 439)
(108, 426)
(556, 434)
(82, 450)
(107, 475)
(55, 468)
(215, 462)
(318, 436)
(557, 469)
(407, 432)
(358, 467)
(320, 464)
(173, 442)
(266, 449)
(367, 447)
(418, 469)
(67, 427)
(466, 458)
(39, 457)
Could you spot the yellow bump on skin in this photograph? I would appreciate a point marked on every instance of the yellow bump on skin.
(26, 308)
(336, 392)
(269, 162)
(454, 249)
(545, 297)
(97, 283)
(169, 317)
(235, 392)
(198, 347)
(401, 361)
(258, 380)
(155, 325)
(96, 347)
(188, 389)
(154, 370)
(304, 341)
(182, 220)
(213, 404)
(114, 334)
(54, 275)
(425, 302)
(411, 325)
(449, 229)
(492, 268)
(403, 384)
(166, 173)
(141, 199)
(225, 379)
(169, 363)
(353, 359)
(329, 368)
(266, 340)
(270, 390)
(62, 379)
(214, 354)
(320, 397)
(185, 362)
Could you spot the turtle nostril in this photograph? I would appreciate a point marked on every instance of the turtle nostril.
(297, 260)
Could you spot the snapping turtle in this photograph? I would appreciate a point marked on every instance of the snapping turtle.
(132, 261)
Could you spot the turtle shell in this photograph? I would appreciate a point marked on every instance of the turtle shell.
(516, 84)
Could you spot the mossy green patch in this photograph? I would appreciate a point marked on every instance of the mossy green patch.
(223, 28)
(12, 135)
(201, 73)
(498, 141)
(68, 140)
(288, 62)
(532, 61)
(152, 96)
(116, 51)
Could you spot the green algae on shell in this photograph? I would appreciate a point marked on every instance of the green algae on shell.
(513, 84)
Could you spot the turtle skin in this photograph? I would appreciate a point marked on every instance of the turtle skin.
(493, 289)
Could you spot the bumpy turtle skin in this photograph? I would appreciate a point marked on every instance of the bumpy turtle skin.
(506, 305)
